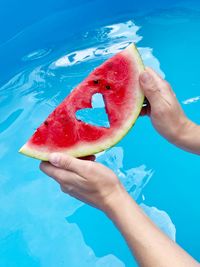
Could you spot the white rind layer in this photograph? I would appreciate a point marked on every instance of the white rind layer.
(84, 149)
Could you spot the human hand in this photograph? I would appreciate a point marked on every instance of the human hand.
(85, 180)
(166, 113)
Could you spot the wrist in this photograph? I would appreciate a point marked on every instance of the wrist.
(186, 136)
(115, 200)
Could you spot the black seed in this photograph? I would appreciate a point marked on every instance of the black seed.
(96, 81)
(46, 123)
(108, 87)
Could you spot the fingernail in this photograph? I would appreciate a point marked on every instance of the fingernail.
(145, 77)
(54, 158)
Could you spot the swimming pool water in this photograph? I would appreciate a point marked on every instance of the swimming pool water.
(46, 49)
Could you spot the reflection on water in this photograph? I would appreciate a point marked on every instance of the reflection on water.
(134, 179)
(110, 40)
(36, 54)
(32, 208)
(191, 100)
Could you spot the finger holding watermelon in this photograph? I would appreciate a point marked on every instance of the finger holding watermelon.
(86, 180)
(166, 114)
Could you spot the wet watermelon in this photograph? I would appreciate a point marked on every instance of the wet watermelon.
(117, 80)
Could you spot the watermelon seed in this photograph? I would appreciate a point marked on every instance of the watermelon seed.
(46, 123)
(108, 87)
(96, 81)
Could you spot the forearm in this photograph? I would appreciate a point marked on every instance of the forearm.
(189, 138)
(148, 244)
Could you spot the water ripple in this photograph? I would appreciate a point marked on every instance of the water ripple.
(10, 120)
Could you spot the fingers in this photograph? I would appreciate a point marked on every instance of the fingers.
(69, 163)
(154, 74)
(165, 88)
(50, 170)
(60, 175)
(150, 86)
(157, 90)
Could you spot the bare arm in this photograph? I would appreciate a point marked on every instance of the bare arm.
(98, 186)
(167, 115)
(189, 140)
(149, 245)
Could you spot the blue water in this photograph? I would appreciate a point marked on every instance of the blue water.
(96, 115)
(48, 47)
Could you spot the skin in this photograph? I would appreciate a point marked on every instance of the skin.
(166, 113)
(98, 186)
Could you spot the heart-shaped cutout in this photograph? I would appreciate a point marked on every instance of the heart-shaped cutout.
(96, 115)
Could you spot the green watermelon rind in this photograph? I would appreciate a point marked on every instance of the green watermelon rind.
(98, 146)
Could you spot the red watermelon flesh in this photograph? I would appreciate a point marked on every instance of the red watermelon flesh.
(117, 79)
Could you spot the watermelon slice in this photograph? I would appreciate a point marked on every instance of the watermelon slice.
(117, 79)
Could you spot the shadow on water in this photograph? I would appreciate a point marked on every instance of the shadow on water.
(100, 234)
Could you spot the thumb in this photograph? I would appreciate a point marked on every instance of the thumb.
(150, 87)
